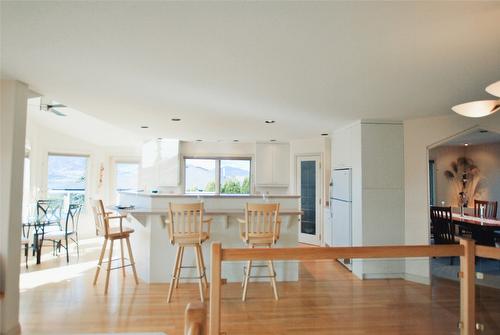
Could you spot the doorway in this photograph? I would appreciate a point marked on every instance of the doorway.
(309, 189)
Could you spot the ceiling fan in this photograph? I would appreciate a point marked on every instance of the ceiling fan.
(482, 107)
(52, 108)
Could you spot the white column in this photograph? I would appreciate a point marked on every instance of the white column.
(14, 97)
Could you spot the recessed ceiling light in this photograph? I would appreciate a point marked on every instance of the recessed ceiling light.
(175, 119)
(272, 140)
(270, 121)
(144, 127)
(324, 134)
(466, 144)
(199, 140)
(483, 131)
(236, 140)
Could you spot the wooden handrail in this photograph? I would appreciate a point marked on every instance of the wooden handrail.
(488, 252)
(317, 253)
(195, 319)
(467, 250)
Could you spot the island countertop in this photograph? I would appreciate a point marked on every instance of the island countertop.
(193, 195)
(155, 254)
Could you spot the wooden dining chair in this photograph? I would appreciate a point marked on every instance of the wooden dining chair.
(187, 228)
(443, 226)
(112, 233)
(260, 228)
(490, 208)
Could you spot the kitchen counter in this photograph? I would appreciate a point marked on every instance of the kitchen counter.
(155, 255)
(198, 196)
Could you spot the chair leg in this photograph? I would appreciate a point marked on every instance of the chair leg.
(245, 283)
(123, 257)
(67, 250)
(174, 271)
(99, 263)
(26, 247)
(273, 279)
(203, 268)
(178, 273)
(132, 261)
(198, 267)
(109, 266)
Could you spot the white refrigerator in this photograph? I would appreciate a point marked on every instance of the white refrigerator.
(340, 210)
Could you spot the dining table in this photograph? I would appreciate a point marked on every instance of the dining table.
(483, 230)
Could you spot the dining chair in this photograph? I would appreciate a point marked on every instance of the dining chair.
(260, 228)
(25, 243)
(443, 226)
(48, 218)
(69, 232)
(187, 227)
(490, 208)
(111, 233)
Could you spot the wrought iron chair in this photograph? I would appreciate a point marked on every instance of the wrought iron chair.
(70, 231)
(48, 217)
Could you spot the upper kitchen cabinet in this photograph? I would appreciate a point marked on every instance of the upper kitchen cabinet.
(272, 164)
(161, 163)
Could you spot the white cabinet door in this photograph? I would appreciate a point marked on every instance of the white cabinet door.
(264, 164)
(168, 162)
(281, 165)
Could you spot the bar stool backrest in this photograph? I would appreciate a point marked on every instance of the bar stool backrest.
(261, 221)
(100, 218)
(185, 221)
(490, 208)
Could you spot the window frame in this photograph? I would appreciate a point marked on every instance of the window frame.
(217, 160)
(87, 171)
(114, 180)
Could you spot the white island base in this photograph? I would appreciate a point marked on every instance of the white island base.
(155, 256)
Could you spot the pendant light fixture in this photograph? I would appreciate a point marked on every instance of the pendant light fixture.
(482, 107)
(494, 89)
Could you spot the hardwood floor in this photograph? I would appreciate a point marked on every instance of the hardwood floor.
(60, 298)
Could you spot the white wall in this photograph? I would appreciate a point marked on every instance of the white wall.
(419, 136)
(43, 140)
(485, 156)
(14, 97)
(374, 152)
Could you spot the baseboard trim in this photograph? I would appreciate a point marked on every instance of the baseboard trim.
(417, 279)
(383, 275)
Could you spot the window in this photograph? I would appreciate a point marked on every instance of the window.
(126, 176)
(214, 176)
(200, 175)
(235, 176)
(67, 178)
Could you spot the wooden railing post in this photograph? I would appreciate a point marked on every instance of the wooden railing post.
(468, 288)
(194, 319)
(215, 289)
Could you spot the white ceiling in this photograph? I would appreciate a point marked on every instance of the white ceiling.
(474, 138)
(226, 67)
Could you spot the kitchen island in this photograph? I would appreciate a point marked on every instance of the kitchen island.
(154, 255)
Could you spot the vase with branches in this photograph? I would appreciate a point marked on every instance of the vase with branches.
(464, 175)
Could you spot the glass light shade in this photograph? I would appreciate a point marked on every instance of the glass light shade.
(494, 89)
(477, 108)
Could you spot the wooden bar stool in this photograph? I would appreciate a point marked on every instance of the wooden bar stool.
(103, 228)
(261, 228)
(185, 229)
